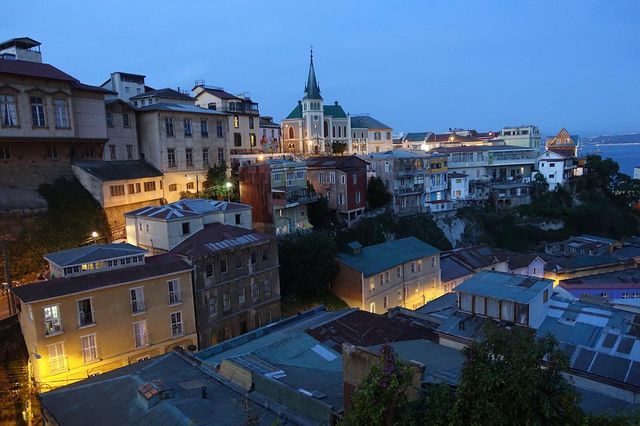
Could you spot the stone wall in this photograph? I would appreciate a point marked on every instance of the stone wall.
(115, 215)
(31, 176)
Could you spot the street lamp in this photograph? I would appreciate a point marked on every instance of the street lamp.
(94, 235)
(229, 185)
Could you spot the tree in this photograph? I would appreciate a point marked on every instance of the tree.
(319, 213)
(377, 194)
(339, 148)
(216, 187)
(504, 378)
(307, 264)
(381, 397)
(540, 186)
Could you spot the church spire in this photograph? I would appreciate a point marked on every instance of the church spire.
(311, 89)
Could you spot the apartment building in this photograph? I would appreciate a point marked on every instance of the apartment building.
(403, 173)
(427, 141)
(277, 190)
(47, 117)
(369, 135)
(342, 181)
(556, 168)
(182, 141)
(236, 280)
(404, 272)
(105, 306)
(124, 86)
(160, 229)
(527, 136)
(436, 184)
(122, 132)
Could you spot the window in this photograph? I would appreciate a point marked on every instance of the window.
(57, 359)
(238, 261)
(223, 266)
(176, 324)
(186, 228)
(252, 139)
(187, 127)
(190, 185)
(419, 265)
(112, 152)
(37, 112)
(332, 177)
(255, 291)
(343, 179)
(171, 157)
(385, 302)
(52, 320)
(237, 139)
(174, 292)
(388, 136)
(291, 135)
(137, 300)
(116, 190)
(376, 136)
(204, 128)
(5, 152)
(372, 307)
(189, 156)
(236, 122)
(266, 287)
(219, 130)
(251, 122)
(129, 152)
(226, 302)
(545, 296)
(213, 305)
(140, 334)
(358, 197)
(209, 270)
(148, 186)
(8, 111)
(205, 156)
(399, 272)
(254, 258)
(89, 348)
(372, 285)
(412, 267)
(341, 199)
(241, 294)
(168, 126)
(604, 295)
(238, 219)
(61, 113)
(220, 155)
(125, 120)
(625, 295)
(85, 312)
(173, 187)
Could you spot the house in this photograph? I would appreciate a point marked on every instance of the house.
(480, 257)
(526, 264)
(105, 306)
(241, 114)
(436, 184)
(236, 280)
(121, 131)
(370, 135)
(162, 228)
(427, 141)
(582, 245)
(342, 181)
(277, 190)
(556, 168)
(458, 186)
(124, 86)
(559, 268)
(120, 186)
(47, 118)
(403, 173)
(527, 136)
(404, 272)
(312, 128)
(563, 143)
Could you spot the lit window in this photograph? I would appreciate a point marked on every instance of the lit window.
(89, 348)
(57, 358)
(52, 320)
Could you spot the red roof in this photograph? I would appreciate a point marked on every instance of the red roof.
(33, 69)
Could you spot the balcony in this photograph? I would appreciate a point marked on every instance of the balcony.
(293, 197)
(410, 172)
(405, 190)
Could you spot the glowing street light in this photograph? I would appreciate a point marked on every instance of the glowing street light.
(229, 185)
(94, 235)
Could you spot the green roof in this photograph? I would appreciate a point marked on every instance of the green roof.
(296, 113)
(335, 111)
(381, 257)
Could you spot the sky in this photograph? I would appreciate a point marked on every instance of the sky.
(414, 65)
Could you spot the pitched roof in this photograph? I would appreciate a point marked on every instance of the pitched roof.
(504, 286)
(92, 253)
(296, 113)
(154, 266)
(477, 257)
(417, 136)
(81, 86)
(366, 122)
(188, 207)
(346, 163)
(452, 269)
(34, 69)
(162, 106)
(398, 153)
(334, 111)
(312, 89)
(380, 257)
(118, 170)
(218, 92)
(216, 237)
(162, 93)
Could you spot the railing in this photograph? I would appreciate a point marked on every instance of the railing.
(410, 172)
(408, 190)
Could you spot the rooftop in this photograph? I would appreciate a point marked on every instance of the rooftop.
(163, 93)
(617, 279)
(476, 257)
(192, 207)
(452, 269)
(366, 122)
(118, 170)
(381, 257)
(161, 106)
(348, 162)
(154, 266)
(398, 153)
(21, 42)
(216, 237)
(503, 286)
(479, 148)
(92, 253)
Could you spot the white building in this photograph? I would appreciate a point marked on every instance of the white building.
(458, 186)
(124, 85)
(527, 136)
(370, 135)
(164, 227)
(556, 168)
(636, 172)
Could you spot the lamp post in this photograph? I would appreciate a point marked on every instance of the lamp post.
(94, 235)
(229, 185)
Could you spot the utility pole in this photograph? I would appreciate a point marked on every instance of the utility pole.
(7, 276)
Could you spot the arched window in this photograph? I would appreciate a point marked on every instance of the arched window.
(326, 129)
(344, 131)
(290, 132)
(333, 135)
(339, 131)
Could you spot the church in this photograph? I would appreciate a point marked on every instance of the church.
(313, 128)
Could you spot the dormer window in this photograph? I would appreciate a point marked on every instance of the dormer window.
(186, 228)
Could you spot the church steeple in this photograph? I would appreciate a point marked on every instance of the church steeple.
(311, 89)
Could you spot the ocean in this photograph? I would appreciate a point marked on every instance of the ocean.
(626, 155)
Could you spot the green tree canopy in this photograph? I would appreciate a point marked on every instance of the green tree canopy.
(377, 194)
(319, 213)
(216, 187)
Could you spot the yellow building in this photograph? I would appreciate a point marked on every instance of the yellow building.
(109, 306)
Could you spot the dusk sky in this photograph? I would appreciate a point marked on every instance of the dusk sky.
(414, 65)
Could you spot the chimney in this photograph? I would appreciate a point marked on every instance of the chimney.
(354, 248)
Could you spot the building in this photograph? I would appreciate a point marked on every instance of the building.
(312, 128)
(277, 190)
(526, 136)
(453, 271)
(105, 306)
(121, 132)
(556, 168)
(369, 135)
(559, 268)
(582, 245)
(236, 280)
(120, 186)
(563, 143)
(124, 86)
(182, 141)
(458, 186)
(48, 118)
(243, 118)
(427, 141)
(269, 135)
(162, 228)
(404, 272)
(342, 181)
(403, 173)
(618, 285)
(152, 96)
(436, 184)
